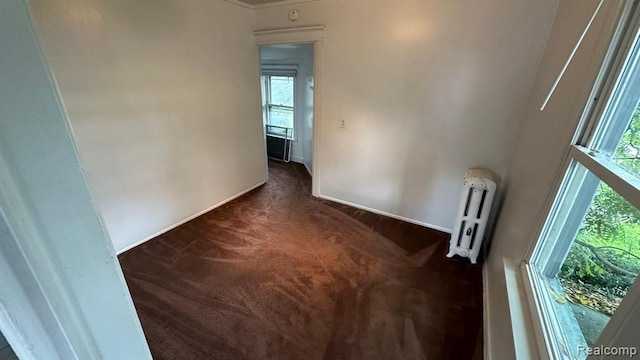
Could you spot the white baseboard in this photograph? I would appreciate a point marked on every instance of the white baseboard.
(486, 315)
(190, 218)
(384, 213)
(308, 170)
(297, 159)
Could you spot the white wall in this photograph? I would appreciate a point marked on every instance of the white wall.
(164, 102)
(300, 55)
(428, 89)
(542, 145)
(62, 293)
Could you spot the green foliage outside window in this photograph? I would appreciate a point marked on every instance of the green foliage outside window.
(606, 253)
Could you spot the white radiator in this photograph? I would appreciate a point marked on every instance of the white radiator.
(473, 213)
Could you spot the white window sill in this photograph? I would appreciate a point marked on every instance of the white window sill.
(524, 339)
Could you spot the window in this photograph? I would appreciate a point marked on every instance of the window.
(279, 103)
(588, 254)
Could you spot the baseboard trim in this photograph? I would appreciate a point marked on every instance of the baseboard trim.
(308, 170)
(387, 214)
(189, 218)
(486, 315)
(297, 159)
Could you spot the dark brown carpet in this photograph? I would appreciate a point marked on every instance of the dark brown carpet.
(277, 274)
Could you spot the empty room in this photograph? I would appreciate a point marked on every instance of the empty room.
(319, 179)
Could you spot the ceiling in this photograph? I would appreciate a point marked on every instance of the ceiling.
(260, 2)
(274, 2)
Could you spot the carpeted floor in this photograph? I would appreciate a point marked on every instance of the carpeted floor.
(277, 274)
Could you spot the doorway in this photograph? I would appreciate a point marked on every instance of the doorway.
(287, 84)
(312, 35)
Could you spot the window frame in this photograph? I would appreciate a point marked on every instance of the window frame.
(545, 322)
(281, 71)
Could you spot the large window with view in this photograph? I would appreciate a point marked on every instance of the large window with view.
(588, 255)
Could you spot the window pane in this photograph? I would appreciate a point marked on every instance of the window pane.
(281, 117)
(627, 154)
(618, 135)
(282, 90)
(594, 236)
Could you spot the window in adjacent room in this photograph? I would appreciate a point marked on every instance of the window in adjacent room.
(279, 103)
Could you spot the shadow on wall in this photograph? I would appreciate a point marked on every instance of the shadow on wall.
(496, 209)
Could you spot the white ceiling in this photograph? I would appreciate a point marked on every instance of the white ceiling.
(274, 2)
(260, 2)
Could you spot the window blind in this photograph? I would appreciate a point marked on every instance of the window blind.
(279, 70)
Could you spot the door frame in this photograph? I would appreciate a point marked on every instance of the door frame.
(57, 263)
(304, 35)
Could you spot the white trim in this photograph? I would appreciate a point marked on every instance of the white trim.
(189, 218)
(627, 186)
(610, 68)
(13, 336)
(297, 159)
(486, 314)
(282, 3)
(384, 213)
(317, 115)
(308, 170)
(540, 306)
(305, 34)
(525, 343)
(268, 5)
(241, 4)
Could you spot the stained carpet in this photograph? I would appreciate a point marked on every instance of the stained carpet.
(277, 274)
